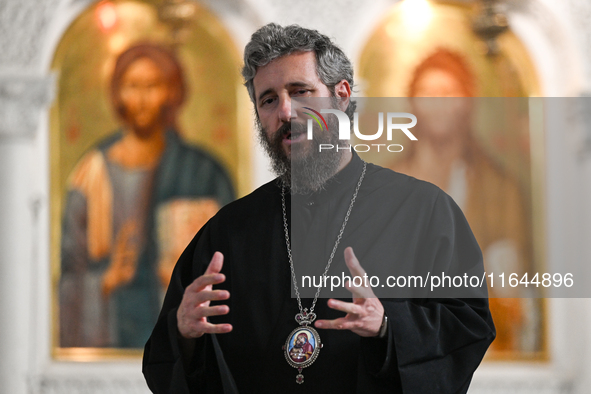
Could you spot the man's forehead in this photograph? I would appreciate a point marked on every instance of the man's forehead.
(293, 68)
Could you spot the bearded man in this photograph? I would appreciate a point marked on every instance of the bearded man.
(226, 339)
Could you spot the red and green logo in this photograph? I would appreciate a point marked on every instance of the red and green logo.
(315, 117)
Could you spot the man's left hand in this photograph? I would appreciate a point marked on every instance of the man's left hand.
(364, 314)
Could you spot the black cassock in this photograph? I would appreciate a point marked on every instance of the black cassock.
(432, 345)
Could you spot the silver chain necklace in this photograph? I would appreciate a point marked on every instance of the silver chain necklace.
(303, 343)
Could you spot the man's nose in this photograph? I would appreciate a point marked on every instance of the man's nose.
(285, 110)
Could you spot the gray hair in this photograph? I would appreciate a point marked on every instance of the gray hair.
(273, 41)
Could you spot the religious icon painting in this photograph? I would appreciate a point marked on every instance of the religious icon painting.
(301, 349)
(494, 144)
(119, 224)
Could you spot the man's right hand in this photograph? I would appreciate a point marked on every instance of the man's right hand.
(194, 308)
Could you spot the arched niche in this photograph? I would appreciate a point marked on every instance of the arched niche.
(407, 34)
(412, 29)
(214, 117)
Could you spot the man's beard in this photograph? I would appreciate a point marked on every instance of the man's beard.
(308, 170)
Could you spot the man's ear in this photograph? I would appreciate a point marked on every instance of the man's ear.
(342, 91)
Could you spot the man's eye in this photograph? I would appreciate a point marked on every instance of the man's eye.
(302, 91)
(267, 101)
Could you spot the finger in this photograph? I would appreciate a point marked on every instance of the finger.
(355, 268)
(217, 310)
(216, 263)
(206, 280)
(359, 292)
(341, 323)
(352, 263)
(209, 328)
(205, 327)
(211, 295)
(347, 307)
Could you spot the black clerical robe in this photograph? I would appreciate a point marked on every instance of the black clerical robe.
(432, 345)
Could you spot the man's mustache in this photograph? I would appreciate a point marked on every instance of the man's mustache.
(289, 127)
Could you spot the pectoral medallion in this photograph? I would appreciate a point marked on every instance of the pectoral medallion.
(303, 344)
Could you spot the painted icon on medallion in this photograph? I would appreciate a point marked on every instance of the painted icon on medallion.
(302, 345)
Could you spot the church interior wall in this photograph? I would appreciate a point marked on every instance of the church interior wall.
(557, 36)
